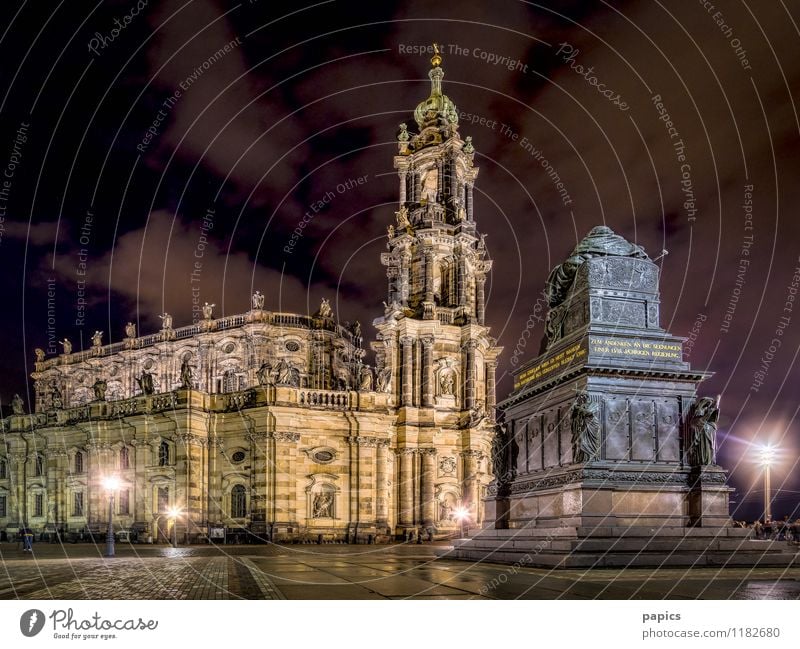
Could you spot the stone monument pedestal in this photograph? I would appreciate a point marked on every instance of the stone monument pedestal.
(606, 455)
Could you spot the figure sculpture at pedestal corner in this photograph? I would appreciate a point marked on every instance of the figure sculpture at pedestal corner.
(208, 310)
(585, 425)
(97, 339)
(600, 242)
(258, 301)
(365, 381)
(263, 374)
(39, 353)
(355, 329)
(186, 375)
(384, 380)
(166, 320)
(500, 453)
(130, 330)
(67, 345)
(17, 405)
(323, 503)
(403, 222)
(100, 387)
(145, 382)
(703, 429)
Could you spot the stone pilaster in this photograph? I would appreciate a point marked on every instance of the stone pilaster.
(405, 507)
(258, 480)
(286, 481)
(470, 459)
(381, 489)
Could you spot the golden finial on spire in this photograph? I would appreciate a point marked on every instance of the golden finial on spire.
(436, 59)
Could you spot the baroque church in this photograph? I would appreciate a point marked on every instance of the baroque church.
(270, 425)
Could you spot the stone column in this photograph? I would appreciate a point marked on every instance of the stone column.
(405, 280)
(402, 175)
(427, 371)
(214, 495)
(407, 370)
(429, 261)
(480, 299)
(469, 202)
(417, 185)
(470, 500)
(491, 398)
(381, 490)
(461, 279)
(469, 383)
(427, 477)
(141, 459)
(406, 476)
(94, 502)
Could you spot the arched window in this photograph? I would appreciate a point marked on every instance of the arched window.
(78, 462)
(124, 458)
(238, 502)
(3, 469)
(38, 466)
(229, 382)
(163, 454)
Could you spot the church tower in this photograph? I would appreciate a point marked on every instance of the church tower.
(433, 350)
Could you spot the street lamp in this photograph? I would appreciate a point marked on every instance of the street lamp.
(174, 512)
(111, 484)
(766, 457)
(461, 514)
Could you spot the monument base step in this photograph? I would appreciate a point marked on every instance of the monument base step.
(623, 547)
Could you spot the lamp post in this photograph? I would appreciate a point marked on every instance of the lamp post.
(767, 459)
(174, 512)
(111, 484)
(461, 515)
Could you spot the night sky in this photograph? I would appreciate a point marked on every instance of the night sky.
(131, 150)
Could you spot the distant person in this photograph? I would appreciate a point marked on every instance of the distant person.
(27, 540)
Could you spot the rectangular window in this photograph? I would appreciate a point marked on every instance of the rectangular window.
(124, 502)
(3, 469)
(2, 506)
(77, 503)
(38, 505)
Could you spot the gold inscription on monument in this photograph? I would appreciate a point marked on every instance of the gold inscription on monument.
(635, 348)
(562, 359)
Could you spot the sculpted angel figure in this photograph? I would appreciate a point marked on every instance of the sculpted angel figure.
(17, 405)
(208, 310)
(325, 310)
(585, 425)
(166, 320)
(130, 330)
(384, 380)
(97, 338)
(258, 301)
(39, 353)
(67, 345)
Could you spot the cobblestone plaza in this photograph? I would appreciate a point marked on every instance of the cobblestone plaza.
(306, 571)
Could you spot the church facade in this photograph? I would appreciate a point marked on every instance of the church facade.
(271, 425)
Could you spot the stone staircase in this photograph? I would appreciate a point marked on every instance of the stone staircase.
(616, 547)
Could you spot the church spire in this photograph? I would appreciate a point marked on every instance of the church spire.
(437, 111)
